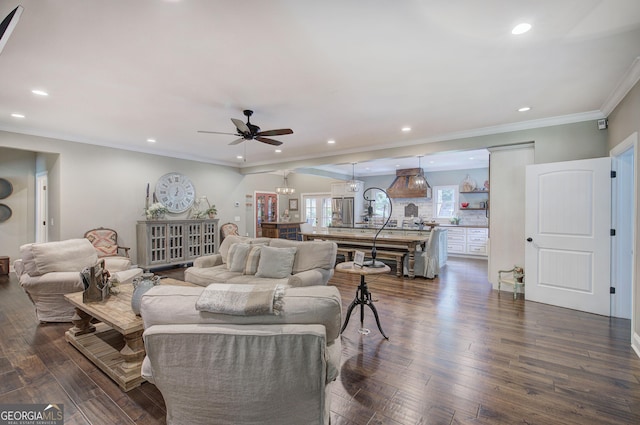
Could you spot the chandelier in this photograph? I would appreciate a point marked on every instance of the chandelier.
(285, 189)
(419, 181)
(352, 185)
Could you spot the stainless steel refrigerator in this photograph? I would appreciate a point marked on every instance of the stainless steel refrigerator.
(342, 212)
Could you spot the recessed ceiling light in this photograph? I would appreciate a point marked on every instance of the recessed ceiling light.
(397, 165)
(17, 115)
(406, 129)
(40, 92)
(524, 109)
(151, 140)
(239, 157)
(331, 142)
(278, 150)
(521, 28)
(471, 158)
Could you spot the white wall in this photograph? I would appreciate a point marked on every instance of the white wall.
(19, 168)
(507, 213)
(92, 186)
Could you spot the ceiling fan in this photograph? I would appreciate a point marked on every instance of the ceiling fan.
(249, 131)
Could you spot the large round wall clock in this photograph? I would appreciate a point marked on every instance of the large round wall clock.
(176, 192)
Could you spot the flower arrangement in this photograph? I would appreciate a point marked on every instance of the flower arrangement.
(156, 210)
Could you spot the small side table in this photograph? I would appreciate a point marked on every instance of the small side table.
(4, 264)
(363, 296)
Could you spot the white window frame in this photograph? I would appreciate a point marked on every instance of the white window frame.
(436, 205)
(322, 201)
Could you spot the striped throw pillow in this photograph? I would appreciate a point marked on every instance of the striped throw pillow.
(253, 258)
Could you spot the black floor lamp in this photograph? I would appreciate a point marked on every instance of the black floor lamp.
(373, 262)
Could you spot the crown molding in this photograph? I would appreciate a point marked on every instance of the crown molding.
(630, 79)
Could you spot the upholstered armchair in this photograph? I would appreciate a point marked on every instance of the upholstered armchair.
(228, 229)
(49, 270)
(105, 242)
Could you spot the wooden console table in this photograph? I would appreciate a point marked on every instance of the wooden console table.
(281, 229)
(115, 345)
(364, 241)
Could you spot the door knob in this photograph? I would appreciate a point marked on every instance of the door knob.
(529, 239)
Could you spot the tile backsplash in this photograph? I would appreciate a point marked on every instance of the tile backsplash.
(425, 212)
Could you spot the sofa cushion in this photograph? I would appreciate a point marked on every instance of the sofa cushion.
(237, 257)
(310, 254)
(70, 255)
(276, 262)
(253, 259)
(205, 276)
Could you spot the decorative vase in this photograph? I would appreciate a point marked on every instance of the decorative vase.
(141, 285)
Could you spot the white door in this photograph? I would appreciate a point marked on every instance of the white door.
(567, 223)
(42, 208)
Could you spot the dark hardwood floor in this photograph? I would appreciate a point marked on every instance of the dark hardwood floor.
(458, 353)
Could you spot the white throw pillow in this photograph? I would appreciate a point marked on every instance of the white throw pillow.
(238, 257)
(276, 263)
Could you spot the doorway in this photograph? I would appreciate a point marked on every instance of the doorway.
(623, 219)
(42, 207)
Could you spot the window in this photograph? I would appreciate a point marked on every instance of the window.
(317, 209)
(445, 201)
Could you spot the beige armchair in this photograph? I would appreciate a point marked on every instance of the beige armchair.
(47, 271)
(233, 370)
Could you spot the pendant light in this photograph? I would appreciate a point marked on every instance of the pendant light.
(419, 181)
(285, 189)
(352, 185)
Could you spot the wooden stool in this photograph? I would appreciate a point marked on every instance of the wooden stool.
(4, 265)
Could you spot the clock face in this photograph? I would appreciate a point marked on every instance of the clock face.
(176, 192)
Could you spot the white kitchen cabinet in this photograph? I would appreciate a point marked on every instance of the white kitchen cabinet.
(456, 240)
(467, 241)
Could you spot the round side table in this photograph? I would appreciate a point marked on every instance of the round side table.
(363, 296)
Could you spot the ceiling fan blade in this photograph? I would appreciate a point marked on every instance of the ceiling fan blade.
(268, 141)
(216, 132)
(235, 142)
(279, 132)
(241, 126)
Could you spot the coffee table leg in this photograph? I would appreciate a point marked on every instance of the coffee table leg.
(81, 323)
(132, 353)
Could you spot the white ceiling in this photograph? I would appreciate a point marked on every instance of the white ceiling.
(119, 72)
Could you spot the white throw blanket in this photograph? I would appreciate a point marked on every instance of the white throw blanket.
(241, 300)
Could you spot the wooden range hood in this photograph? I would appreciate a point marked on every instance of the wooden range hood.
(404, 185)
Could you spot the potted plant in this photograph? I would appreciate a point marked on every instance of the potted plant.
(211, 211)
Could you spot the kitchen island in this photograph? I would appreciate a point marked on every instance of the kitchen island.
(387, 243)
